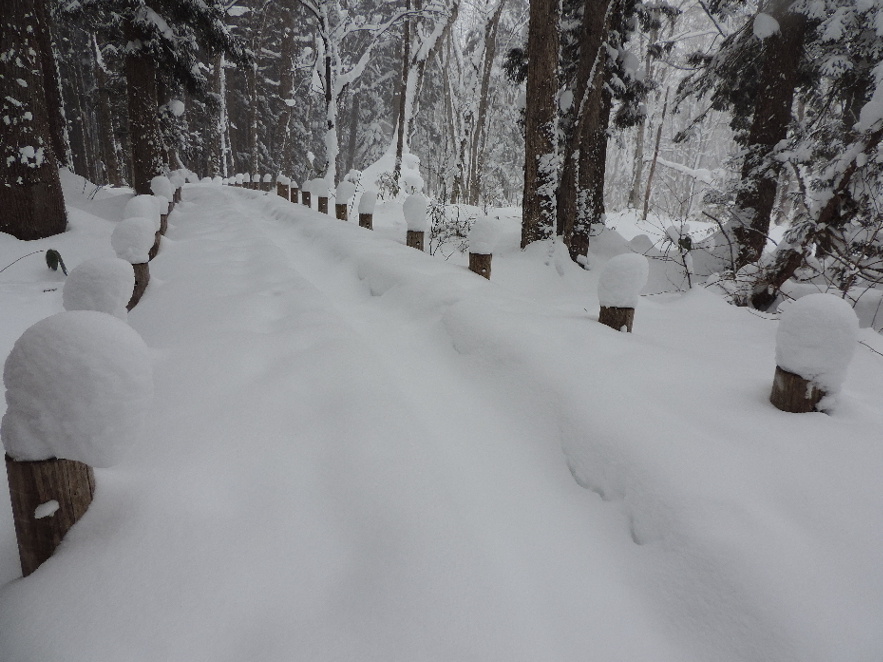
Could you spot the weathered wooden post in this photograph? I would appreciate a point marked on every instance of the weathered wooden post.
(295, 192)
(619, 286)
(414, 209)
(283, 187)
(131, 239)
(319, 188)
(345, 192)
(78, 388)
(814, 345)
(366, 208)
(481, 239)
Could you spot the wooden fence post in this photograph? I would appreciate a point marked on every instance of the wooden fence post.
(480, 263)
(619, 287)
(617, 318)
(48, 497)
(366, 208)
(414, 239)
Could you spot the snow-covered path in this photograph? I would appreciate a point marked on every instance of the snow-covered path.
(361, 453)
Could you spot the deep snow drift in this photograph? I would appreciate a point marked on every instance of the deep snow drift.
(360, 452)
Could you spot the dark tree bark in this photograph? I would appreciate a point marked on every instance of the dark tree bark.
(31, 202)
(403, 94)
(52, 87)
(769, 125)
(145, 139)
(584, 153)
(540, 149)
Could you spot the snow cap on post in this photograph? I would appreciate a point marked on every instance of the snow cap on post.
(621, 281)
(256, 178)
(239, 178)
(144, 206)
(414, 209)
(306, 187)
(282, 179)
(319, 188)
(162, 186)
(268, 178)
(483, 235)
(368, 201)
(816, 340)
(133, 238)
(345, 191)
(103, 284)
(78, 387)
(176, 180)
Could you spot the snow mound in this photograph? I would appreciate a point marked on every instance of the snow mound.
(368, 201)
(177, 180)
(414, 209)
(162, 186)
(78, 387)
(345, 191)
(103, 284)
(133, 238)
(765, 26)
(144, 206)
(816, 339)
(483, 235)
(621, 280)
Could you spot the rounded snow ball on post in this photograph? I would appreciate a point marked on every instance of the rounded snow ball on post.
(104, 284)
(319, 188)
(162, 187)
(268, 180)
(238, 180)
(345, 192)
(132, 240)
(481, 239)
(367, 202)
(255, 182)
(414, 209)
(814, 345)
(620, 283)
(147, 206)
(78, 387)
(178, 182)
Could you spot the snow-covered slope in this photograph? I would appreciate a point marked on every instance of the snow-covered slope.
(361, 452)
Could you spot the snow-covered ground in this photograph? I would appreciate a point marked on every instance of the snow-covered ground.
(361, 452)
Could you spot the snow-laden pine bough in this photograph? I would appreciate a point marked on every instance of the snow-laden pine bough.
(78, 388)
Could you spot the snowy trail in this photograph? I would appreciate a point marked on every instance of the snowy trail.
(361, 453)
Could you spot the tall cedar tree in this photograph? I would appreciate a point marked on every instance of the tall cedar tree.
(31, 202)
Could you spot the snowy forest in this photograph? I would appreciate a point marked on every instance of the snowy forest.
(444, 330)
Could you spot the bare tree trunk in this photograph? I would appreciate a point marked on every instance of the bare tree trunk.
(52, 88)
(769, 125)
(144, 135)
(403, 95)
(110, 148)
(649, 188)
(540, 144)
(31, 202)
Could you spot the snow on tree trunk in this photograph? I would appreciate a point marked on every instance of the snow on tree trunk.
(540, 159)
(31, 202)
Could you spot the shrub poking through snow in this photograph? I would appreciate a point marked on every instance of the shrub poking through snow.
(814, 344)
(414, 209)
(132, 240)
(103, 284)
(78, 388)
(344, 194)
(367, 202)
(619, 286)
(54, 261)
(481, 239)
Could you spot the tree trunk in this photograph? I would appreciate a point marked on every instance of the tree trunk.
(40, 526)
(769, 125)
(31, 201)
(540, 144)
(649, 188)
(144, 135)
(110, 148)
(403, 101)
(52, 87)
